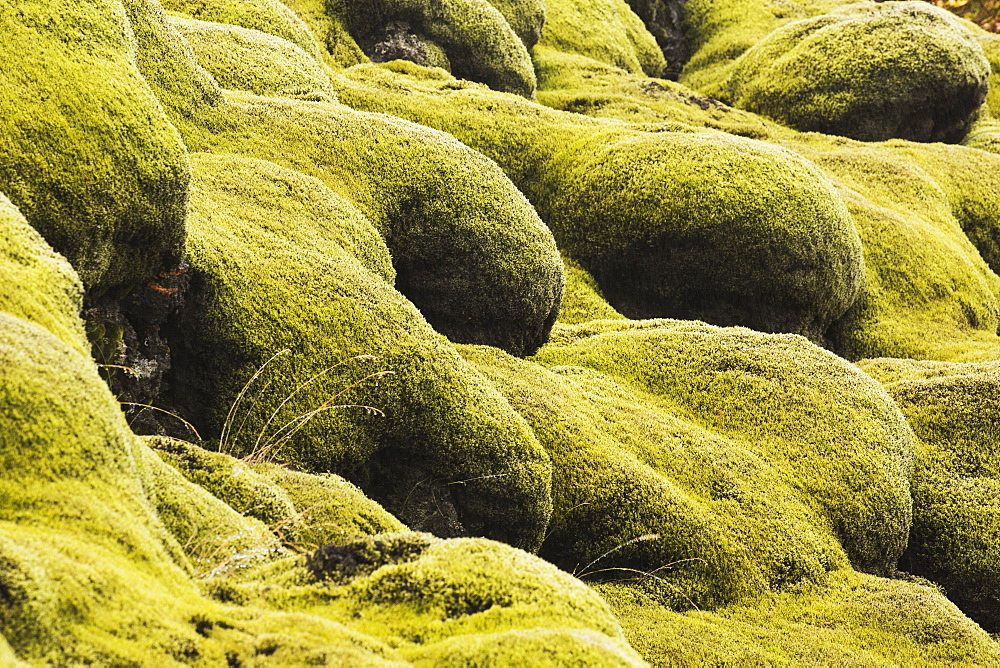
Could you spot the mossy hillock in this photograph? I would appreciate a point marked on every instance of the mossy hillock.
(88, 155)
(650, 212)
(675, 452)
(254, 61)
(306, 272)
(955, 411)
(867, 71)
(400, 329)
(470, 38)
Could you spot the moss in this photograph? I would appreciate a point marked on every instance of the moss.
(849, 619)
(228, 479)
(104, 182)
(583, 300)
(214, 536)
(652, 214)
(253, 61)
(475, 37)
(270, 16)
(927, 291)
(467, 601)
(581, 85)
(285, 264)
(607, 31)
(871, 72)
(338, 47)
(990, 42)
(40, 286)
(682, 449)
(525, 17)
(954, 410)
(332, 510)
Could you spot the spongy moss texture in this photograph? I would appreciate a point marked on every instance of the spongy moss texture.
(696, 447)
(955, 411)
(867, 71)
(87, 153)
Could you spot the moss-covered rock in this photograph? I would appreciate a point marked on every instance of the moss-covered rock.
(525, 17)
(270, 16)
(39, 284)
(254, 61)
(471, 38)
(955, 411)
(330, 509)
(583, 300)
(868, 71)
(720, 460)
(454, 602)
(653, 212)
(87, 153)
(605, 30)
(283, 263)
(847, 620)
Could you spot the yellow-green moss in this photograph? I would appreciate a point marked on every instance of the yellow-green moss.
(330, 509)
(270, 16)
(955, 411)
(214, 536)
(39, 284)
(475, 38)
(583, 300)
(338, 47)
(254, 61)
(525, 17)
(454, 602)
(605, 30)
(282, 263)
(86, 152)
(849, 619)
(654, 212)
(726, 461)
(867, 71)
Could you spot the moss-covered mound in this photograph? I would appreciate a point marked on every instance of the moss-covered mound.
(605, 30)
(470, 38)
(39, 284)
(284, 264)
(955, 411)
(868, 71)
(722, 460)
(254, 61)
(525, 17)
(455, 602)
(654, 214)
(270, 16)
(87, 153)
(848, 620)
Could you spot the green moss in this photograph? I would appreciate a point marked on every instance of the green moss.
(40, 286)
(285, 264)
(584, 86)
(990, 42)
(455, 602)
(525, 17)
(253, 61)
(849, 619)
(724, 461)
(871, 72)
(653, 212)
(583, 300)
(228, 479)
(332, 510)
(270, 16)
(955, 411)
(104, 182)
(607, 31)
(212, 534)
(338, 47)
(475, 37)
